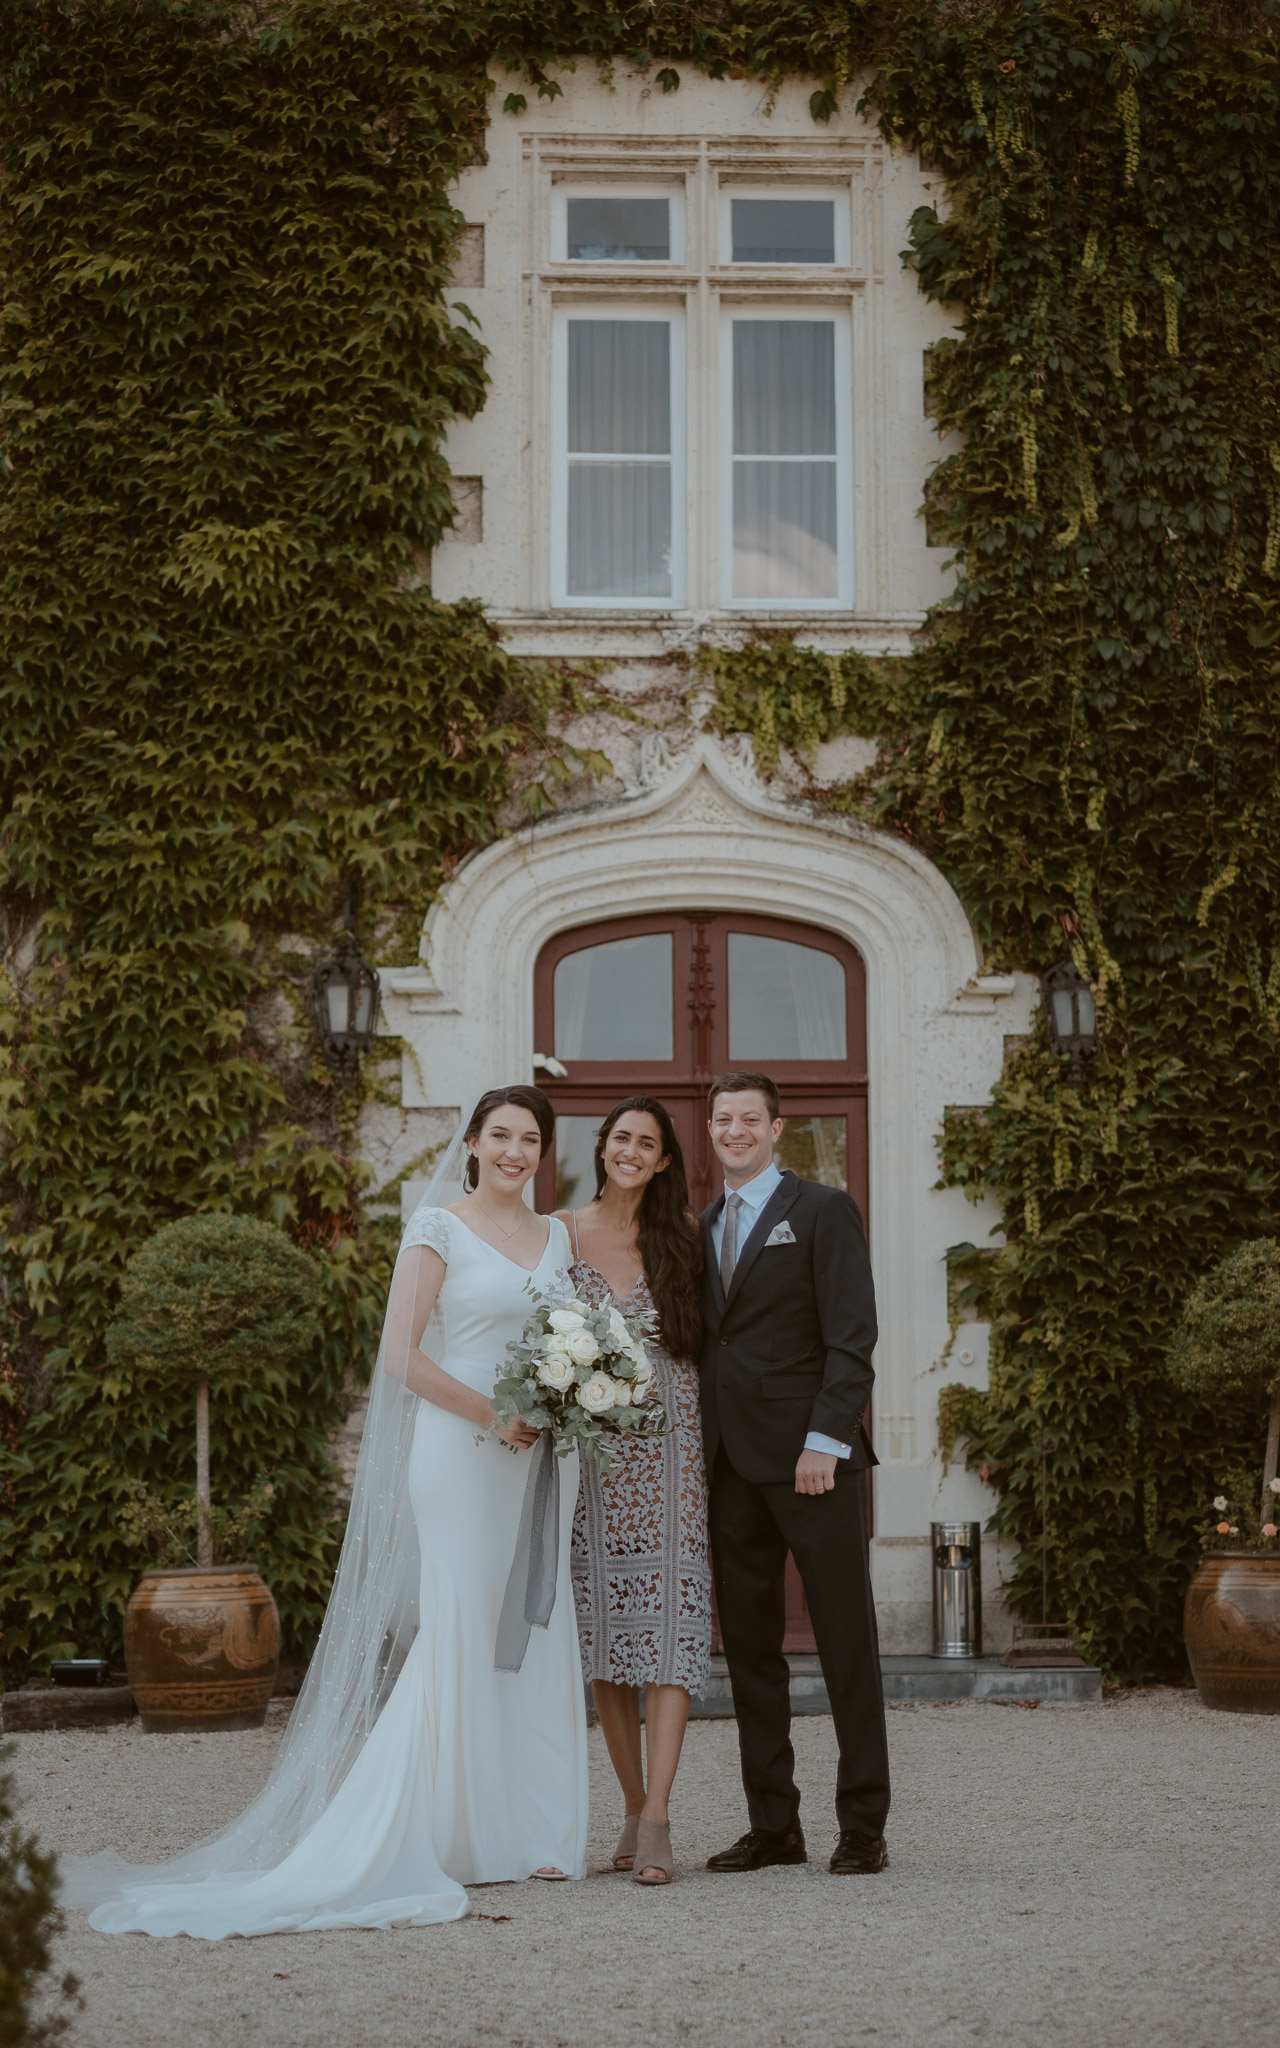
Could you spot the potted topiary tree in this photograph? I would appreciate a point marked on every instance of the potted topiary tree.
(209, 1300)
(1228, 1345)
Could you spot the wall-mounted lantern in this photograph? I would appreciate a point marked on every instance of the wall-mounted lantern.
(345, 1004)
(1071, 1015)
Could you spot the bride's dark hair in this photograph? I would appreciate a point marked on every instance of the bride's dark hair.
(522, 1096)
(670, 1241)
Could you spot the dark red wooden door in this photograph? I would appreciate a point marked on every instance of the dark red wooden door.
(661, 1005)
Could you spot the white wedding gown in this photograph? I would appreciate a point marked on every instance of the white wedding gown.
(469, 1775)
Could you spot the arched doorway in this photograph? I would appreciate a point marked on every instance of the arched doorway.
(663, 1004)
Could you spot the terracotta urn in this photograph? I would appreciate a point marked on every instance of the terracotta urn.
(1232, 1626)
(201, 1646)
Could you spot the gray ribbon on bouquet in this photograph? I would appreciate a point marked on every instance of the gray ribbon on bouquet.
(531, 1583)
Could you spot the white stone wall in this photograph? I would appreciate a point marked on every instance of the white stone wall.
(684, 819)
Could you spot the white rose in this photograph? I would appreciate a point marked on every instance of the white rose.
(1220, 1501)
(619, 1332)
(582, 1347)
(644, 1364)
(556, 1372)
(565, 1320)
(597, 1395)
(555, 1347)
(621, 1394)
(1275, 1486)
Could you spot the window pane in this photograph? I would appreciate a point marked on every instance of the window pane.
(614, 1002)
(784, 231)
(784, 387)
(619, 230)
(575, 1160)
(620, 387)
(785, 1002)
(619, 530)
(815, 1147)
(784, 530)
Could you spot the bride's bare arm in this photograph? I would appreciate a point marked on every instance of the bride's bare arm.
(417, 1281)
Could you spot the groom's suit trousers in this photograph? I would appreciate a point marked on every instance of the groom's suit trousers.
(753, 1526)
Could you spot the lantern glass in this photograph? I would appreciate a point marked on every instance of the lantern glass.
(1086, 1011)
(363, 1009)
(338, 1002)
(1064, 1022)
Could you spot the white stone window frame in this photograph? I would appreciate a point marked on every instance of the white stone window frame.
(702, 177)
(786, 308)
(651, 307)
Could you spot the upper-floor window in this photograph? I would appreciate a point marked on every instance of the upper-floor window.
(614, 227)
(618, 485)
(781, 230)
(702, 414)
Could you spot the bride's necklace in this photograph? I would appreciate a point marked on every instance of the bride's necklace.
(524, 1218)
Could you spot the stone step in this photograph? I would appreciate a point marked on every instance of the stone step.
(919, 1679)
(904, 1678)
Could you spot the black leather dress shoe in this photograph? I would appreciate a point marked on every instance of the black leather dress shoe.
(859, 1855)
(761, 1847)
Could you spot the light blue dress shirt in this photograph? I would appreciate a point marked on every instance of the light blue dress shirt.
(755, 1193)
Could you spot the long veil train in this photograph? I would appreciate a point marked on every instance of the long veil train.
(369, 1628)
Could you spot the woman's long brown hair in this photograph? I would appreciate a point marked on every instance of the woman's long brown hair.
(670, 1241)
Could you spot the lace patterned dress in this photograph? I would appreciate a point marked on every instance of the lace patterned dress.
(640, 1563)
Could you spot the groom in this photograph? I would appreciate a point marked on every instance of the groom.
(786, 1373)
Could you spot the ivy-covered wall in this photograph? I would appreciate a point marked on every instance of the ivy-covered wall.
(230, 705)
(231, 710)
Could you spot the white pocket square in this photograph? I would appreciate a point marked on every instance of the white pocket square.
(782, 1233)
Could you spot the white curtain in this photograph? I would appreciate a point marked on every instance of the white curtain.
(619, 421)
(786, 1002)
(784, 459)
(614, 1002)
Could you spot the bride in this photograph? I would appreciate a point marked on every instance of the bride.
(411, 1766)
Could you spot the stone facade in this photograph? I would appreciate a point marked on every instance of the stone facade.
(684, 818)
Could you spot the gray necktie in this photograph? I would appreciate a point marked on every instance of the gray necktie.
(729, 1242)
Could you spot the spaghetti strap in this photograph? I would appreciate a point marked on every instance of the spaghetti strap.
(573, 1218)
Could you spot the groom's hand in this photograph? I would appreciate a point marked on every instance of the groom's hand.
(815, 1472)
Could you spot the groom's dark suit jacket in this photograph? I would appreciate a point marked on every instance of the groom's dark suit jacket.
(790, 1350)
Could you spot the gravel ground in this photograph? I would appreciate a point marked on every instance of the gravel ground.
(1089, 1875)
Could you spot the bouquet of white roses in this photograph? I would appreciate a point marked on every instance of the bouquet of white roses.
(583, 1374)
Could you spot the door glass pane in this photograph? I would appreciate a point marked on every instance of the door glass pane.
(614, 1002)
(619, 419)
(786, 1002)
(815, 1147)
(784, 230)
(784, 459)
(575, 1160)
(619, 230)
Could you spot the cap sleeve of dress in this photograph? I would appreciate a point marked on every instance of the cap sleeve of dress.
(429, 1227)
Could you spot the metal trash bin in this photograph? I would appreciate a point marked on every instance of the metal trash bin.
(957, 1589)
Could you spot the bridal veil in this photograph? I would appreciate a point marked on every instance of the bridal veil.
(369, 1628)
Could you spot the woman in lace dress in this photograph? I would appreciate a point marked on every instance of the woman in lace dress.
(641, 1573)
